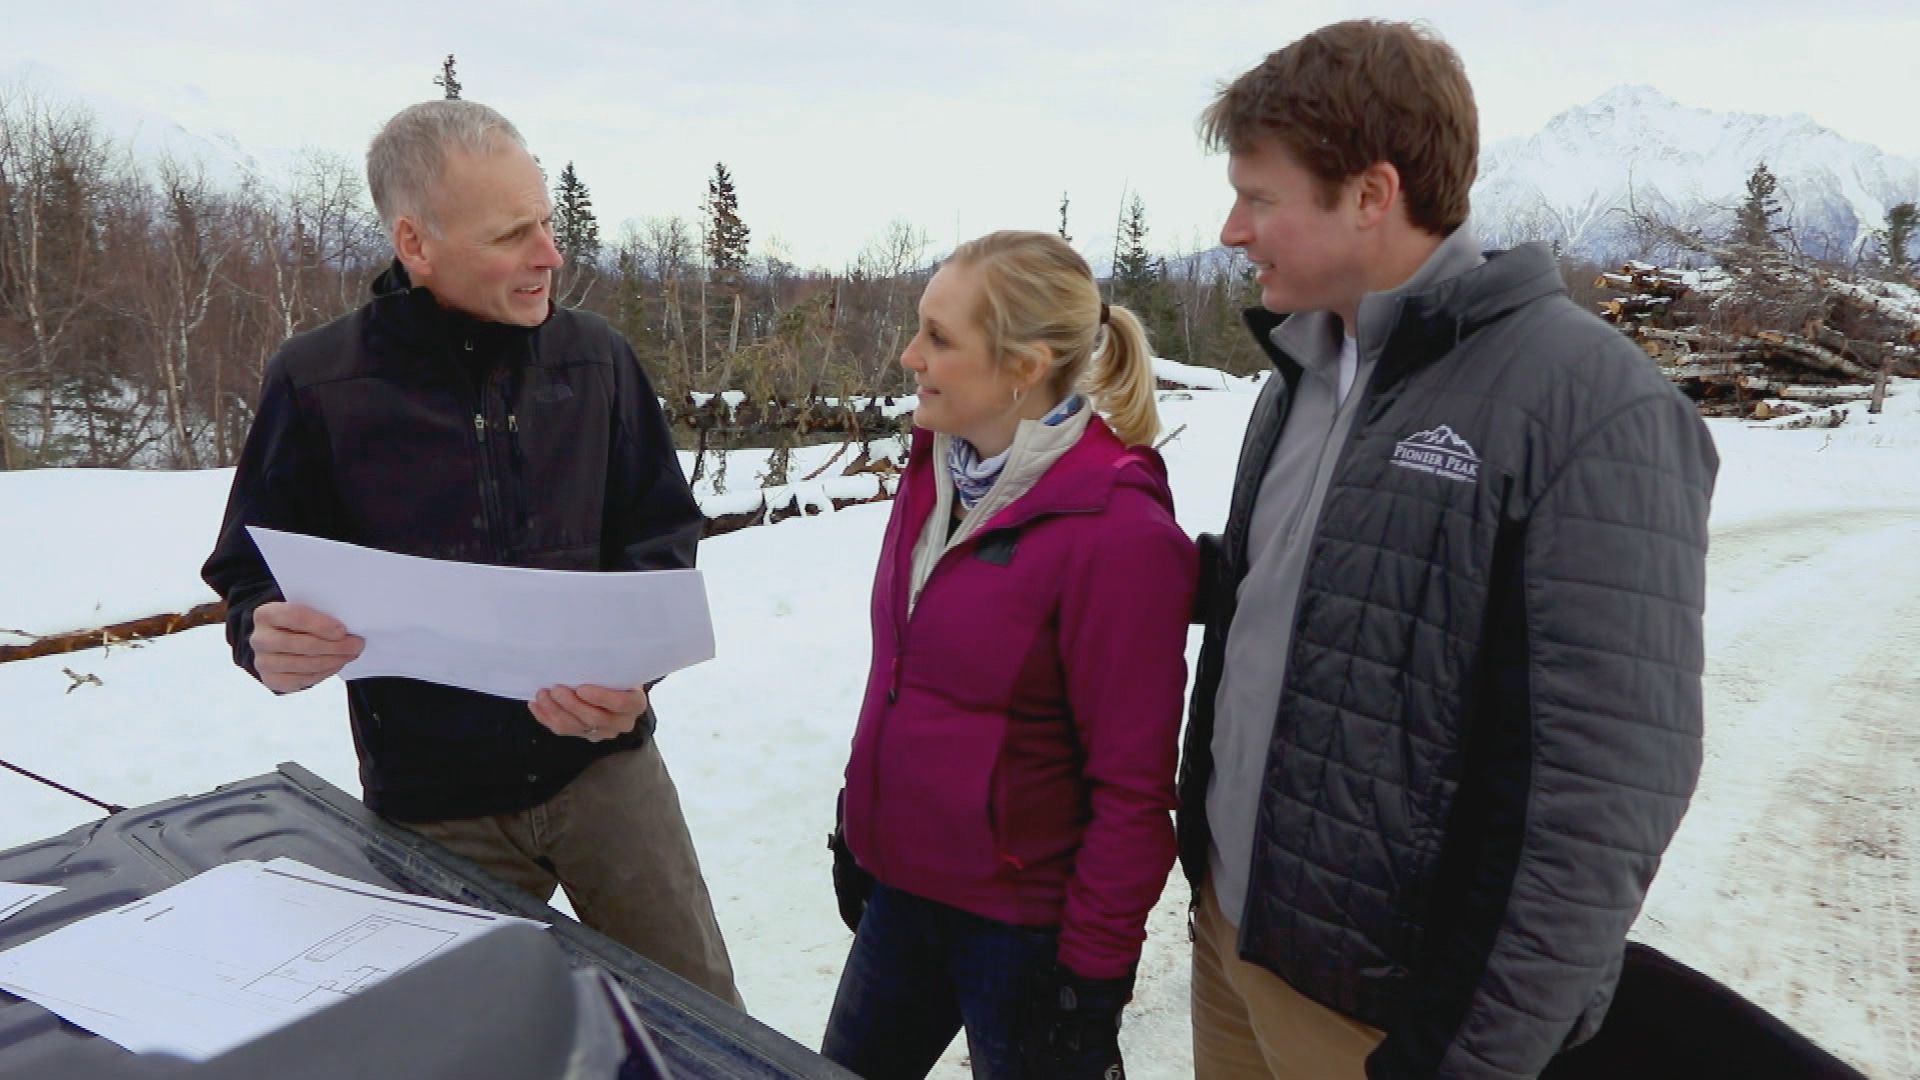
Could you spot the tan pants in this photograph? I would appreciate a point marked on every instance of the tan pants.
(1248, 1023)
(616, 840)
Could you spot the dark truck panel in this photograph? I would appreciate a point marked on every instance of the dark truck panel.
(294, 813)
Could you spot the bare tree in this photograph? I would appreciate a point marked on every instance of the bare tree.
(175, 292)
(53, 162)
(895, 259)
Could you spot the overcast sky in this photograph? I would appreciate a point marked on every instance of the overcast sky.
(960, 117)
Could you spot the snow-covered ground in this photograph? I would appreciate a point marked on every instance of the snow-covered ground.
(1792, 879)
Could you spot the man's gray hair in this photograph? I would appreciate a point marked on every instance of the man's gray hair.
(408, 156)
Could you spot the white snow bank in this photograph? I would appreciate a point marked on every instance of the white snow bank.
(92, 547)
(1202, 378)
(1867, 462)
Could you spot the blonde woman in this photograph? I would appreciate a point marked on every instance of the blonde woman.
(1006, 814)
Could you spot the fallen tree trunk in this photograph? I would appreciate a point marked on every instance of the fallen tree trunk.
(1824, 395)
(1713, 365)
(1677, 337)
(117, 634)
(1879, 305)
(1813, 355)
(792, 507)
(1649, 282)
(816, 416)
(1825, 418)
(1627, 307)
(1766, 345)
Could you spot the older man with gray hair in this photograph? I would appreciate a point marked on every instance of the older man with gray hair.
(461, 415)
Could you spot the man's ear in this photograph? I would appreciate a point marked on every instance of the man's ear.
(1376, 193)
(410, 245)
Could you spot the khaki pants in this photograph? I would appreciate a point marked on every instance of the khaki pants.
(1248, 1023)
(616, 840)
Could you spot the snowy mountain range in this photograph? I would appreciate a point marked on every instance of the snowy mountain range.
(1569, 184)
(165, 123)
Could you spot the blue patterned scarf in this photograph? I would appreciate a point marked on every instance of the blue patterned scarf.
(974, 477)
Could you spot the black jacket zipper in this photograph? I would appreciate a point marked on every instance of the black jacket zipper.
(483, 419)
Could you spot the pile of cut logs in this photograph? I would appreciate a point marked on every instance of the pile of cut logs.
(1852, 338)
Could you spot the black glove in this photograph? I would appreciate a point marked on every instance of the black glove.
(1211, 575)
(1069, 1026)
(851, 885)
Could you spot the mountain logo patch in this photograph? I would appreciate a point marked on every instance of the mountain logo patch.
(1439, 452)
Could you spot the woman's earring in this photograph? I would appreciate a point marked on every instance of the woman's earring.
(1016, 397)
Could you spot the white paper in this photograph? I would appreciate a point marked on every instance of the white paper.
(499, 630)
(16, 897)
(232, 954)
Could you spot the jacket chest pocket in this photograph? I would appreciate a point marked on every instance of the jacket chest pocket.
(406, 470)
(560, 443)
(1427, 494)
(1403, 561)
(984, 621)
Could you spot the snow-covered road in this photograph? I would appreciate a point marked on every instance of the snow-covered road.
(1793, 876)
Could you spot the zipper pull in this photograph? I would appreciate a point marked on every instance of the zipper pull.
(513, 438)
(480, 427)
(893, 683)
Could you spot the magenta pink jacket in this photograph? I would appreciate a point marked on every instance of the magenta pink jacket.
(1016, 749)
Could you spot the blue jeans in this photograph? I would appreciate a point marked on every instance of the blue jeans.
(919, 971)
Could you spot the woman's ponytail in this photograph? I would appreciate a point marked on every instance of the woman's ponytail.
(1121, 381)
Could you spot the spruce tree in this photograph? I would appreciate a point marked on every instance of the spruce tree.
(726, 233)
(1896, 239)
(1133, 268)
(1754, 230)
(576, 232)
(1063, 218)
(726, 243)
(1140, 283)
(446, 79)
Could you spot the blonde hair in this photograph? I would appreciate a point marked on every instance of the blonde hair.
(1037, 293)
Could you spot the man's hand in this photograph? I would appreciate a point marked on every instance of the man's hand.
(295, 646)
(592, 713)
